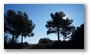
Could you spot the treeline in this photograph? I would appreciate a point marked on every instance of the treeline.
(77, 41)
(18, 24)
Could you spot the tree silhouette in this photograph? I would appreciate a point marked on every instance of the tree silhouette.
(8, 24)
(78, 37)
(25, 26)
(18, 23)
(59, 25)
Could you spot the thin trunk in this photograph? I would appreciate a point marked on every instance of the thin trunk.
(22, 39)
(16, 39)
(22, 42)
(58, 33)
(13, 41)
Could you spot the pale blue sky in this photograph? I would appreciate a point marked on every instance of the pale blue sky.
(40, 14)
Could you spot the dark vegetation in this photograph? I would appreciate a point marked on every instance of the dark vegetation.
(60, 26)
(76, 42)
(18, 24)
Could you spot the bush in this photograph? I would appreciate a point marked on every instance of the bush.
(45, 40)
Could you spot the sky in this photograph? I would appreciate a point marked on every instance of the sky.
(40, 14)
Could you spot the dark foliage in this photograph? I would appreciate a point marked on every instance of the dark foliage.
(18, 23)
(59, 25)
(8, 43)
(78, 37)
(45, 40)
(77, 42)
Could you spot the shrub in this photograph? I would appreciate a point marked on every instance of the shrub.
(45, 40)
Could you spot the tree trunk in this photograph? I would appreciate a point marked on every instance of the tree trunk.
(58, 33)
(22, 39)
(13, 41)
